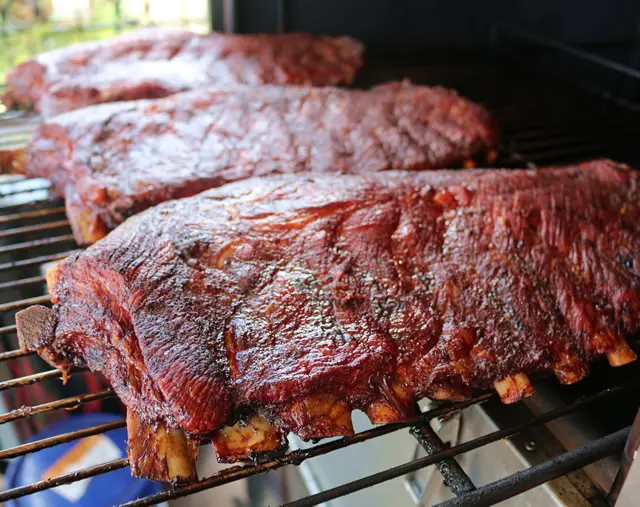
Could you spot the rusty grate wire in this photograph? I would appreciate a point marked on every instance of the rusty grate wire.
(541, 125)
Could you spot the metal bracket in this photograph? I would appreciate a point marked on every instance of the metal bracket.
(626, 488)
(455, 478)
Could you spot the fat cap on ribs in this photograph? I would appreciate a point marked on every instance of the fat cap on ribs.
(157, 62)
(280, 304)
(113, 160)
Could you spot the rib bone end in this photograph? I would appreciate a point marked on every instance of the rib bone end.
(566, 376)
(87, 227)
(319, 416)
(447, 392)
(246, 439)
(569, 369)
(52, 275)
(160, 453)
(514, 388)
(381, 412)
(622, 354)
(13, 161)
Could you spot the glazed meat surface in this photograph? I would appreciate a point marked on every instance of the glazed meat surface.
(113, 160)
(155, 63)
(281, 304)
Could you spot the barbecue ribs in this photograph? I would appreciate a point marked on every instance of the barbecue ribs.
(155, 63)
(280, 304)
(113, 160)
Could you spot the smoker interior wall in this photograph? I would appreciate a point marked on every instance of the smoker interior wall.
(396, 24)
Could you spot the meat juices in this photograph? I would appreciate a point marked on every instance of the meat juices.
(114, 160)
(153, 63)
(281, 304)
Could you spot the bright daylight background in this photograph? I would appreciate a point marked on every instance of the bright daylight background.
(28, 27)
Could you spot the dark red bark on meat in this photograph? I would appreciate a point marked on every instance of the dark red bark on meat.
(113, 160)
(156, 63)
(364, 289)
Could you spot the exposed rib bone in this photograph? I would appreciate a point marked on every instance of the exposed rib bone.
(604, 340)
(319, 416)
(446, 392)
(514, 388)
(621, 354)
(397, 404)
(13, 161)
(246, 438)
(382, 412)
(51, 275)
(569, 369)
(160, 453)
(86, 225)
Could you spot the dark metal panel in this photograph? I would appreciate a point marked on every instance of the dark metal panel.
(216, 15)
(405, 23)
(391, 24)
(255, 16)
(535, 476)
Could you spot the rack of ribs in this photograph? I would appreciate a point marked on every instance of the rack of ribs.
(281, 304)
(154, 63)
(113, 160)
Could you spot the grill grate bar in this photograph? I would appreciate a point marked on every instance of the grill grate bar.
(45, 443)
(437, 457)
(59, 480)
(22, 282)
(561, 47)
(31, 214)
(524, 480)
(37, 260)
(29, 379)
(19, 205)
(66, 403)
(13, 305)
(47, 226)
(64, 238)
(23, 189)
(242, 471)
(14, 142)
(572, 121)
(33, 379)
(14, 354)
(18, 116)
(454, 476)
(296, 457)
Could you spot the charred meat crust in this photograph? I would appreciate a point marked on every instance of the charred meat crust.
(36, 327)
(154, 63)
(285, 303)
(114, 160)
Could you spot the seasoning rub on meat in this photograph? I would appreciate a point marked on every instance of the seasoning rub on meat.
(113, 160)
(281, 304)
(158, 62)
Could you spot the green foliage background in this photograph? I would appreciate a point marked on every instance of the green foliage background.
(22, 38)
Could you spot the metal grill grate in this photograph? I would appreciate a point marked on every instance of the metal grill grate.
(543, 122)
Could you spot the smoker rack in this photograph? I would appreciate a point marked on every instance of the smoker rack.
(543, 121)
